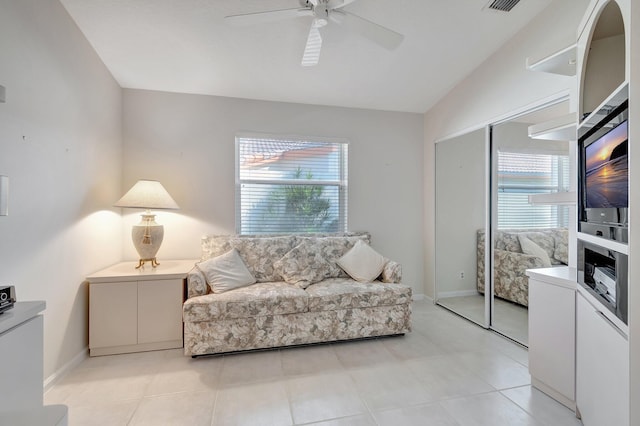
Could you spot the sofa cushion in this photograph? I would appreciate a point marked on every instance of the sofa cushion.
(532, 249)
(303, 265)
(226, 272)
(362, 263)
(508, 241)
(260, 299)
(259, 252)
(344, 293)
(333, 248)
(544, 240)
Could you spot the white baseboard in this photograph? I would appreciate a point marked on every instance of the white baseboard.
(420, 297)
(459, 293)
(65, 369)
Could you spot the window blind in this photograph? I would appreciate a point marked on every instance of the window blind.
(523, 174)
(287, 185)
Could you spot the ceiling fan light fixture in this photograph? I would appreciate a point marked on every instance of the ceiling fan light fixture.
(320, 22)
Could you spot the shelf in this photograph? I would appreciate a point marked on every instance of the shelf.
(555, 198)
(617, 98)
(603, 242)
(559, 129)
(562, 62)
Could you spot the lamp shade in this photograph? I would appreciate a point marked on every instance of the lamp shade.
(147, 194)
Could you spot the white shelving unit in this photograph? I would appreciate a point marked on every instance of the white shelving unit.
(562, 62)
(621, 93)
(559, 129)
(602, 347)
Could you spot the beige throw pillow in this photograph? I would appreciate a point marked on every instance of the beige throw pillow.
(532, 249)
(226, 272)
(362, 263)
(303, 265)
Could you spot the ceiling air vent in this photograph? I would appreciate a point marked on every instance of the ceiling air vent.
(502, 5)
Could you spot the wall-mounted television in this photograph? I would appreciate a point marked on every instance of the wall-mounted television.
(607, 170)
(604, 174)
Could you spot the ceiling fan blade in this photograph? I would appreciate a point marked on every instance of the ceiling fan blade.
(311, 54)
(337, 4)
(268, 16)
(383, 36)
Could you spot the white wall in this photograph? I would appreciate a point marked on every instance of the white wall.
(60, 145)
(188, 143)
(499, 86)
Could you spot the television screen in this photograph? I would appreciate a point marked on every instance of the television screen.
(606, 169)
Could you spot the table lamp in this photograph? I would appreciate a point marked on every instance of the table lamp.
(147, 235)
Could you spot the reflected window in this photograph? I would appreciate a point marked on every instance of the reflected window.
(524, 174)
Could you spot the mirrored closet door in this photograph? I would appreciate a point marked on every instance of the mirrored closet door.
(492, 222)
(527, 234)
(461, 218)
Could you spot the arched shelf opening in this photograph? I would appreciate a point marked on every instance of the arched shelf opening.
(604, 63)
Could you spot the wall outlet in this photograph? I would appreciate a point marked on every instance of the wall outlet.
(461, 275)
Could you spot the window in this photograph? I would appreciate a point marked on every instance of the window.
(286, 185)
(522, 174)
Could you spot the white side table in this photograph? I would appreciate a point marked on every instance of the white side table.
(135, 310)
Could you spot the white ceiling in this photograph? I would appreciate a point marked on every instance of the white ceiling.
(186, 46)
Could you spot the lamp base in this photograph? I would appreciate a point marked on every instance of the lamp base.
(147, 237)
(141, 262)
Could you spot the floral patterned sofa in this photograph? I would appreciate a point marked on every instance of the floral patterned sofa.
(277, 310)
(543, 248)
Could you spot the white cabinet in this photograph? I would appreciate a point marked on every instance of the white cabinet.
(552, 293)
(132, 310)
(602, 381)
(21, 356)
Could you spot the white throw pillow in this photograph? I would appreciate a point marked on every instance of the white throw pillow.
(532, 249)
(362, 263)
(226, 272)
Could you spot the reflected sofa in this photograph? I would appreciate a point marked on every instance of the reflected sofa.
(511, 262)
(273, 313)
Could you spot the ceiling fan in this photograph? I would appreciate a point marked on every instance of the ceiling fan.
(322, 12)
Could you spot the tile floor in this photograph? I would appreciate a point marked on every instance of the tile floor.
(446, 372)
(509, 318)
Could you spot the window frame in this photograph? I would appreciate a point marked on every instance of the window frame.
(341, 183)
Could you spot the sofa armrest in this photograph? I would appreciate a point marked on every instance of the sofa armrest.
(392, 272)
(196, 283)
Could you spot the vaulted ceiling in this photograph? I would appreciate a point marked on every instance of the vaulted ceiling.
(188, 46)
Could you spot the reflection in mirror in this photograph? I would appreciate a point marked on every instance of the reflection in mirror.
(525, 235)
(460, 218)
